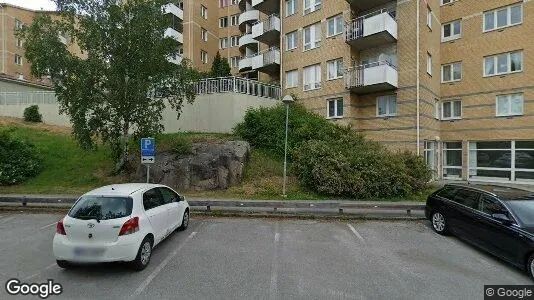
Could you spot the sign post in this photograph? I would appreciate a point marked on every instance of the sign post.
(148, 151)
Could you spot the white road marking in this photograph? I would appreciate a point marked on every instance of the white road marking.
(356, 233)
(273, 290)
(46, 226)
(40, 271)
(162, 265)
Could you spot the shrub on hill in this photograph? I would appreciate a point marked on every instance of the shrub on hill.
(18, 160)
(31, 114)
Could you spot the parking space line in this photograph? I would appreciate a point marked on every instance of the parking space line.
(273, 289)
(356, 233)
(46, 226)
(162, 265)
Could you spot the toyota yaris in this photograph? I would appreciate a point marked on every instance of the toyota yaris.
(122, 222)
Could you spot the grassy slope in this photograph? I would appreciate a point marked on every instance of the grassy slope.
(67, 169)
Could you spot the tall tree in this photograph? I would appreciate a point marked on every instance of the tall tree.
(107, 87)
(220, 67)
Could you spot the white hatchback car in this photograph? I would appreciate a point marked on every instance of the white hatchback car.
(120, 222)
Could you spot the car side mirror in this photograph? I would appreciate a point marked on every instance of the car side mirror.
(179, 198)
(502, 218)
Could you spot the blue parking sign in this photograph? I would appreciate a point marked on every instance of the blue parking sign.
(148, 147)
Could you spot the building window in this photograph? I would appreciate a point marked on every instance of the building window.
(223, 22)
(234, 41)
(292, 79)
(504, 63)
(335, 25)
(223, 43)
(452, 159)
(291, 40)
(335, 69)
(204, 34)
(312, 36)
(291, 7)
(18, 59)
(386, 106)
(203, 12)
(234, 20)
(451, 31)
(451, 72)
(312, 77)
(18, 24)
(509, 105)
(437, 109)
(429, 63)
(223, 3)
(429, 18)
(312, 5)
(19, 43)
(443, 2)
(234, 61)
(503, 17)
(451, 110)
(204, 56)
(335, 108)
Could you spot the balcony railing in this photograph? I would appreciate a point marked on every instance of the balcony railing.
(372, 77)
(175, 8)
(17, 98)
(371, 30)
(238, 85)
(267, 30)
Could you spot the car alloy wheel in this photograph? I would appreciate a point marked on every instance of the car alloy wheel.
(185, 221)
(438, 222)
(146, 251)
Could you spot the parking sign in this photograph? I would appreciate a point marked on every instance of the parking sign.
(148, 150)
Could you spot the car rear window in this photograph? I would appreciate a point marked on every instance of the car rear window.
(447, 192)
(101, 208)
(524, 210)
(467, 198)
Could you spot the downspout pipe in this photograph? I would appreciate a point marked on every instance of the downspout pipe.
(418, 83)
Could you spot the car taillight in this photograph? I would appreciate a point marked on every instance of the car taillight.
(60, 228)
(130, 226)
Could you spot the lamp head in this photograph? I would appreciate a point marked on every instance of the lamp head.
(288, 99)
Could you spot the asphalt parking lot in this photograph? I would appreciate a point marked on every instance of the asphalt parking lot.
(267, 259)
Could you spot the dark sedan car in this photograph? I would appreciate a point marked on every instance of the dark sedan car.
(497, 219)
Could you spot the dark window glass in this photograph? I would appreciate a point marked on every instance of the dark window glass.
(524, 145)
(524, 211)
(152, 198)
(491, 206)
(467, 198)
(494, 145)
(168, 195)
(101, 208)
(447, 192)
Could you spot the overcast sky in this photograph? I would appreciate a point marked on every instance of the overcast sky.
(33, 4)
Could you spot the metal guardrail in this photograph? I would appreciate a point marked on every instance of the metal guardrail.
(354, 28)
(354, 77)
(29, 98)
(239, 85)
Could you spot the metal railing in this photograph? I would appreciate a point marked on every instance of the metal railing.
(269, 56)
(354, 77)
(27, 98)
(272, 22)
(239, 85)
(354, 28)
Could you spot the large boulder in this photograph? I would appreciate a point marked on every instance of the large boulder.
(211, 166)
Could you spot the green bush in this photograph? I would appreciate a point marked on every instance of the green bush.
(18, 160)
(31, 114)
(181, 146)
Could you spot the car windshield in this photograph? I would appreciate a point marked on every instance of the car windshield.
(524, 210)
(101, 208)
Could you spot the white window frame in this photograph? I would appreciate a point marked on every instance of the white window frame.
(452, 36)
(337, 31)
(429, 63)
(509, 98)
(314, 5)
(437, 109)
(295, 42)
(204, 12)
(452, 65)
(335, 63)
(234, 41)
(293, 8)
(429, 18)
(509, 62)
(336, 108)
(315, 37)
(18, 60)
(294, 76)
(221, 22)
(442, 2)
(234, 20)
(388, 112)
(223, 43)
(445, 150)
(18, 24)
(452, 117)
(508, 17)
(204, 56)
(18, 43)
(234, 61)
(203, 34)
(312, 85)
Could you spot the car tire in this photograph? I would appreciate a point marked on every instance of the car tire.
(530, 266)
(185, 221)
(63, 264)
(439, 222)
(144, 254)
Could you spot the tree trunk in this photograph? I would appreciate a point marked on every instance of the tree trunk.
(124, 143)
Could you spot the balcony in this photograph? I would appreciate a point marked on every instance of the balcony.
(372, 30)
(267, 62)
(267, 7)
(363, 5)
(245, 64)
(248, 17)
(175, 59)
(173, 33)
(172, 8)
(370, 78)
(267, 31)
(247, 40)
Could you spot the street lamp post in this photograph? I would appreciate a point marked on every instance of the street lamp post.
(287, 101)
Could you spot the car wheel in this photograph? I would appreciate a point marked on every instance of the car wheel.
(530, 266)
(63, 264)
(439, 222)
(185, 221)
(143, 255)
